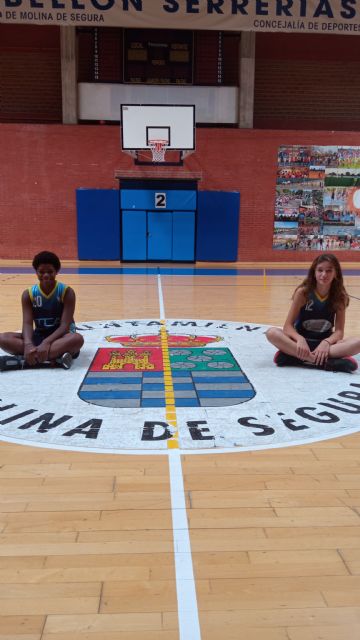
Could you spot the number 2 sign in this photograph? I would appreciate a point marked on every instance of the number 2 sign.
(160, 200)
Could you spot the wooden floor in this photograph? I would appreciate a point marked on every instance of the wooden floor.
(86, 545)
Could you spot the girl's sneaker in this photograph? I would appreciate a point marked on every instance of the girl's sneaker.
(347, 364)
(11, 363)
(65, 361)
(284, 360)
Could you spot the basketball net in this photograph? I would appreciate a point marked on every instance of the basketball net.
(158, 148)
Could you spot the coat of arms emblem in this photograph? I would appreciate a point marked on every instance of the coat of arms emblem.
(132, 375)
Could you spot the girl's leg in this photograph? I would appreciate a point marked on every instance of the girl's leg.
(69, 343)
(346, 347)
(277, 337)
(12, 342)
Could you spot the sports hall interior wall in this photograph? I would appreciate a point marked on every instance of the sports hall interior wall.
(307, 91)
(45, 164)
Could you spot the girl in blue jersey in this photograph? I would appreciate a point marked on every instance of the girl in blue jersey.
(313, 333)
(48, 329)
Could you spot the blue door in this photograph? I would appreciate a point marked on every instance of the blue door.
(160, 233)
(134, 235)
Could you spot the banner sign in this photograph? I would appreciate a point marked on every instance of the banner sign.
(304, 16)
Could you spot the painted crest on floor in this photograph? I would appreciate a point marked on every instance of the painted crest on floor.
(200, 374)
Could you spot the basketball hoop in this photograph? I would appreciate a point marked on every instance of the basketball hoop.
(158, 148)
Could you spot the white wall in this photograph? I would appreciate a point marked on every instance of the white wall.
(213, 105)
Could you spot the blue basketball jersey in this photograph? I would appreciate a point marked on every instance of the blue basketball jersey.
(316, 318)
(47, 309)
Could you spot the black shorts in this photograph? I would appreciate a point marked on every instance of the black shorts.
(314, 342)
(39, 336)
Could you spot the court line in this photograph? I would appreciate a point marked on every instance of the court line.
(178, 271)
(161, 298)
(188, 614)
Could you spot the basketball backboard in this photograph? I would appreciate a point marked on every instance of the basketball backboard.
(171, 125)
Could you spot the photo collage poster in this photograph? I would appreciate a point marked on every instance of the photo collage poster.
(317, 204)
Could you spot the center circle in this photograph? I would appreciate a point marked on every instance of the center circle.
(150, 385)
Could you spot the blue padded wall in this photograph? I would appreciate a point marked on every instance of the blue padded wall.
(217, 227)
(98, 224)
(183, 235)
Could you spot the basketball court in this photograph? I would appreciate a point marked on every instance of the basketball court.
(200, 510)
(174, 483)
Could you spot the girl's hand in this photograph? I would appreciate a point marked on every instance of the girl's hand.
(302, 348)
(321, 352)
(43, 352)
(30, 354)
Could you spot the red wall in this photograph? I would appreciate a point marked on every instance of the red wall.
(44, 164)
(30, 74)
(306, 81)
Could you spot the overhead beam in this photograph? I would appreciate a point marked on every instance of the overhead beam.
(247, 80)
(69, 75)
